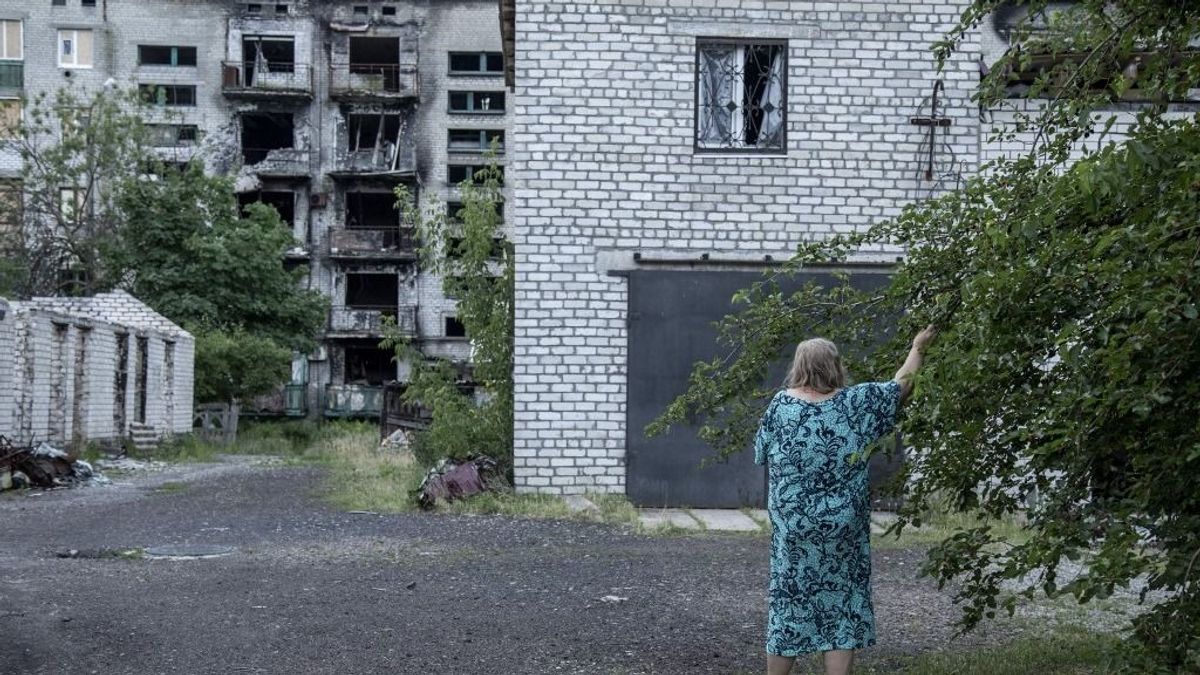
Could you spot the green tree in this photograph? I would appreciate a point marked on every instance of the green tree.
(1066, 381)
(473, 258)
(75, 149)
(185, 250)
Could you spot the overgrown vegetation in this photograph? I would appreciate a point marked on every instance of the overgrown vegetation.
(1064, 280)
(472, 412)
(102, 207)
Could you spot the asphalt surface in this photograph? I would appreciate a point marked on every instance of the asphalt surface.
(309, 589)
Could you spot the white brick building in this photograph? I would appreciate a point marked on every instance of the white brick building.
(319, 108)
(80, 370)
(666, 153)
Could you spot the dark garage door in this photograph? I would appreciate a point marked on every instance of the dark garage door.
(671, 317)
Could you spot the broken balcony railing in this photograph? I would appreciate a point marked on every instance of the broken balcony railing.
(353, 400)
(389, 158)
(383, 80)
(277, 161)
(369, 320)
(373, 242)
(262, 78)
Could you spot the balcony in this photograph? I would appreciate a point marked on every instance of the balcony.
(261, 80)
(12, 77)
(353, 400)
(394, 161)
(360, 243)
(363, 321)
(276, 162)
(373, 81)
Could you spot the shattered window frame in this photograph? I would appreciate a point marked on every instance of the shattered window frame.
(724, 121)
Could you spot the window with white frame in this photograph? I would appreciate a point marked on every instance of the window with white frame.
(75, 48)
(12, 43)
(741, 95)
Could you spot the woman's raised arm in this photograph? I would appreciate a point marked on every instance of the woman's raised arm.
(913, 363)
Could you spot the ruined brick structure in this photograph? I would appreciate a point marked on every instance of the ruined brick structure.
(80, 370)
(319, 108)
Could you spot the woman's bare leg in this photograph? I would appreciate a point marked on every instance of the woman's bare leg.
(779, 665)
(839, 661)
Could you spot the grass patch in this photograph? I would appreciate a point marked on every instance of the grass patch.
(363, 477)
(171, 487)
(1073, 651)
(940, 523)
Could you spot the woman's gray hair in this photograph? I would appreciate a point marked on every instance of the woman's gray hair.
(817, 366)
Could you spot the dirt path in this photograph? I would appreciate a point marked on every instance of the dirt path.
(308, 589)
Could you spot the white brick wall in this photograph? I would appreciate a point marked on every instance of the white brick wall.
(604, 166)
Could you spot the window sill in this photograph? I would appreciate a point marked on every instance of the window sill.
(740, 154)
(473, 73)
(452, 111)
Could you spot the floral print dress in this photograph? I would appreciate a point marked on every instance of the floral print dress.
(820, 597)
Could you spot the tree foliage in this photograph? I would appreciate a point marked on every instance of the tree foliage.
(76, 149)
(185, 250)
(468, 250)
(1066, 381)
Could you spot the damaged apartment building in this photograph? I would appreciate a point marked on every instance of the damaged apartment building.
(320, 109)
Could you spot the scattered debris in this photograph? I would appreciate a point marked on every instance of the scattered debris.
(411, 585)
(450, 480)
(44, 466)
(101, 553)
(187, 552)
(613, 599)
(127, 464)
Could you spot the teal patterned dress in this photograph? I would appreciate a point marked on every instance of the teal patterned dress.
(817, 500)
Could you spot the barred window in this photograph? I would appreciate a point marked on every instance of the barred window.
(741, 92)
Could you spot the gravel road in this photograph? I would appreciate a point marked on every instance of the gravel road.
(309, 589)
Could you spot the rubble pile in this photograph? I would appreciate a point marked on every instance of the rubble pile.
(450, 480)
(43, 466)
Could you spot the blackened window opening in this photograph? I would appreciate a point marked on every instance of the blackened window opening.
(378, 56)
(457, 173)
(475, 140)
(143, 377)
(168, 94)
(371, 211)
(366, 363)
(264, 132)
(275, 55)
(455, 328)
(283, 201)
(372, 290)
(370, 131)
(488, 63)
(121, 383)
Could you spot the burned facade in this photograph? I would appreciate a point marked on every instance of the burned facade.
(78, 371)
(318, 108)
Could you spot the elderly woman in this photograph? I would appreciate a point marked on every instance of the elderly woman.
(820, 597)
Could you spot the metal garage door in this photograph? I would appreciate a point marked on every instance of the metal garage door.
(671, 316)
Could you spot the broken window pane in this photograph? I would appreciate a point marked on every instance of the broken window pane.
(370, 131)
(264, 132)
(11, 209)
(740, 96)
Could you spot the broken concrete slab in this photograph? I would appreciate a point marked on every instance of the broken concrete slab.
(725, 520)
(579, 504)
(655, 518)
